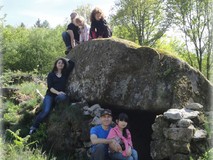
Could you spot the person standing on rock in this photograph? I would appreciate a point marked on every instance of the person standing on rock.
(56, 84)
(84, 29)
(122, 135)
(99, 27)
(71, 36)
(98, 135)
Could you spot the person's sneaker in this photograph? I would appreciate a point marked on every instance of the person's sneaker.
(67, 51)
(32, 130)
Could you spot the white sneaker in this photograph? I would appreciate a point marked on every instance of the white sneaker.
(32, 130)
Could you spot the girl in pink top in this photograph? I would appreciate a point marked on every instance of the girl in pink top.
(123, 150)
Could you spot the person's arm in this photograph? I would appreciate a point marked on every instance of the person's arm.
(80, 38)
(56, 92)
(72, 39)
(114, 146)
(95, 140)
(129, 138)
(93, 33)
(87, 32)
(70, 67)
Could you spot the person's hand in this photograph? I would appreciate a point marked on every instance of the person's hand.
(61, 93)
(115, 146)
(119, 149)
(129, 151)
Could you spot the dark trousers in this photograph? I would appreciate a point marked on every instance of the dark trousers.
(47, 106)
(67, 40)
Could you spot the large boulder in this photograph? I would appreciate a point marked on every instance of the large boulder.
(119, 73)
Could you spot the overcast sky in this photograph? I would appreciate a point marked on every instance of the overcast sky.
(54, 11)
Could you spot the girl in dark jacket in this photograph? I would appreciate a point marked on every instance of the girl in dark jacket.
(56, 84)
(99, 27)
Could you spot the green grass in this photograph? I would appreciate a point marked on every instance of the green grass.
(19, 148)
(17, 116)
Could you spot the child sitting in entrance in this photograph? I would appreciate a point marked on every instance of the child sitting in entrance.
(124, 148)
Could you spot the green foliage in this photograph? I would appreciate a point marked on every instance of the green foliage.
(193, 18)
(40, 135)
(17, 118)
(207, 155)
(28, 49)
(145, 20)
(84, 11)
(19, 148)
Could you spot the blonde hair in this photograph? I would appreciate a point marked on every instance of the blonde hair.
(79, 19)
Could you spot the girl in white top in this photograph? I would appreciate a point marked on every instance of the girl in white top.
(84, 29)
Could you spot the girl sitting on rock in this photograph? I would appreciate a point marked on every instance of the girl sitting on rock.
(123, 149)
(99, 27)
(84, 29)
(56, 84)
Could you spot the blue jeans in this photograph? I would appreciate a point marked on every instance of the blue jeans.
(67, 40)
(47, 106)
(119, 156)
(99, 152)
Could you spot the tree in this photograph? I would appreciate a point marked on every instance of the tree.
(22, 25)
(193, 17)
(148, 20)
(38, 24)
(27, 49)
(45, 24)
(84, 11)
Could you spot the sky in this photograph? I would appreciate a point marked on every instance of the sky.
(54, 11)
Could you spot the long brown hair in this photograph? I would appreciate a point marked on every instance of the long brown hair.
(94, 12)
(55, 67)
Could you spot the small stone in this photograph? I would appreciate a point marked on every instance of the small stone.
(178, 134)
(184, 123)
(180, 157)
(189, 114)
(86, 113)
(96, 121)
(86, 108)
(94, 107)
(173, 114)
(200, 134)
(180, 147)
(195, 106)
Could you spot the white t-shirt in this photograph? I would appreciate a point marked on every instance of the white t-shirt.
(84, 33)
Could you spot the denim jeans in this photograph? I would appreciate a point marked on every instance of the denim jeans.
(119, 156)
(67, 40)
(47, 106)
(99, 152)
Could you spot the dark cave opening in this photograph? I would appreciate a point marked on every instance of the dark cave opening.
(140, 123)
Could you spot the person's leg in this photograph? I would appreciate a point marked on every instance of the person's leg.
(117, 156)
(60, 98)
(134, 154)
(99, 152)
(46, 107)
(67, 41)
(129, 158)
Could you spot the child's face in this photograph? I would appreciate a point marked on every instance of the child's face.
(80, 23)
(122, 124)
(98, 16)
